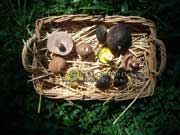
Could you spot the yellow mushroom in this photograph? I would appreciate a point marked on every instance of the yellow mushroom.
(74, 75)
(105, 55)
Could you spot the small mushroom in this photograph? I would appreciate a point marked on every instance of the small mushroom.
(120, 78)
(74, 74)
(119, 39)
(84, 49)
(60, 43)
(57, 64)
(101, 33)
(104, 82)
(130, 63)
(105, 55)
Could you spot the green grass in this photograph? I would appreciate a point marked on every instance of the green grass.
(156, 115)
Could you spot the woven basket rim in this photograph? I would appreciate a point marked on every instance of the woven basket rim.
(113, 19)
(100, 17)
(97, 18)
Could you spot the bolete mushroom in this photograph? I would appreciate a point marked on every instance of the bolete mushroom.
(119, 39)
(57, 64)
(101, 33)
(60, 43)
(104, 82)
(84, 49)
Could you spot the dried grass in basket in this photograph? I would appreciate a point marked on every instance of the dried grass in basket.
(82, 28)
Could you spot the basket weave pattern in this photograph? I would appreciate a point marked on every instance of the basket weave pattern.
(82, 29)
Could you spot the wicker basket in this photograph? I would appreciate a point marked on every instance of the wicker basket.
(82, 28)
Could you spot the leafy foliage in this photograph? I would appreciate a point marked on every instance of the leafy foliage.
(156, 115)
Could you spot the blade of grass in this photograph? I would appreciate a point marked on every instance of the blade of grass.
(121, 114)
(96, 7)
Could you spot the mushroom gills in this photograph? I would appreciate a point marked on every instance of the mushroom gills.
(130, 63)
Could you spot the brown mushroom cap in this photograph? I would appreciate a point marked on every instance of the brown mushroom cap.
(131, 63)
(57, 64)
(84, 49)
(104, 82)
(119, 39)
(101, 33)
(60, 43)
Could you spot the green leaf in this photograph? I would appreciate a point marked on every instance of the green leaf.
(124, 7)
(68, 122)
(96, 7)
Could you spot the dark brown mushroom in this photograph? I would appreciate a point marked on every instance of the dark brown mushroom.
(57, 64)
(120, 78)
(119, 39)
(60, 43)
(84, 49)
(104, 82)
(101, 33)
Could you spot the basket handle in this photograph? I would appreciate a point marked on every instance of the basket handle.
(163, 56)
(27, 52)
